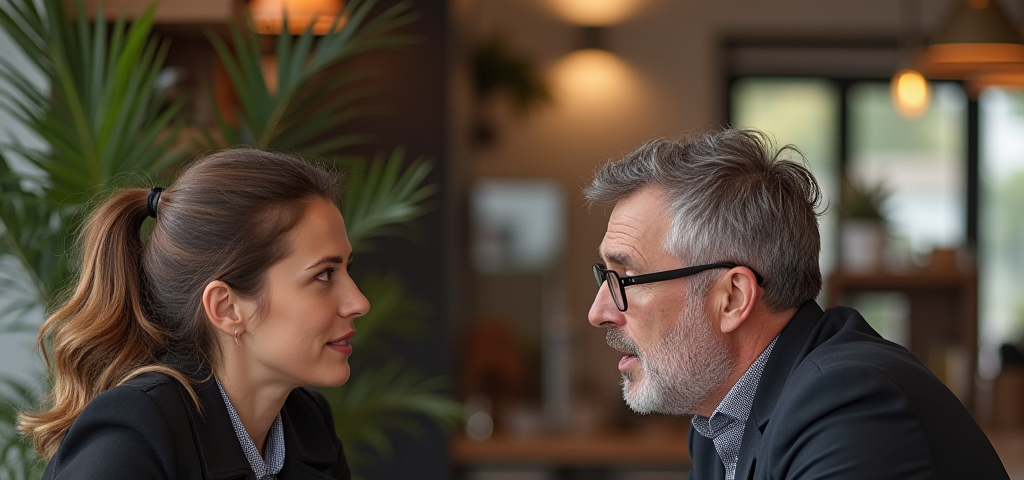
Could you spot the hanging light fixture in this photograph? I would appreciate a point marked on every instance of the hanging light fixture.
(977, 35)
(268, 15)
(908, 88)
(910, 93)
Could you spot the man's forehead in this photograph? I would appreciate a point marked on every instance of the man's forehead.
(633, 235)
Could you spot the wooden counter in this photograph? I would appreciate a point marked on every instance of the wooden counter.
(599, 450)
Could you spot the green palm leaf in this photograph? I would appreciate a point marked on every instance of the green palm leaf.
(100, 118)
(395, 314)
(18, 460)
(388, 398)
(382, 197)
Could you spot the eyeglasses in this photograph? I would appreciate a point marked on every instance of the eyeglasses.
(603, 275)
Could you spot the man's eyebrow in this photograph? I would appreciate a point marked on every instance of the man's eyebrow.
(618, 258)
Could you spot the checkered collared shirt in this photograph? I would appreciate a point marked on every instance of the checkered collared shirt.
(264, 468)
(726, 424)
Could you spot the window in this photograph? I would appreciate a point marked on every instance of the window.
(1001, 222)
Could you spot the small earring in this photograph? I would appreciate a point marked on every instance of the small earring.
(238, 340)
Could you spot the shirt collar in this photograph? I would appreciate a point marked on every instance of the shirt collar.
(262, 465)
(738, 402)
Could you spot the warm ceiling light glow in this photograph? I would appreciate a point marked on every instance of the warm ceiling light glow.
(590, 78)
(267, 15)
(594, 12)
(909, 94)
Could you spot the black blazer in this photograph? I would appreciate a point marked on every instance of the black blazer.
(837, 401)
(149, 428)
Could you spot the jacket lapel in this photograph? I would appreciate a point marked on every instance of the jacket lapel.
(308, 453)
(748, 449)
(790, 347)
(219, 448)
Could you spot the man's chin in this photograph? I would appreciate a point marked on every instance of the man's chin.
(637, 399)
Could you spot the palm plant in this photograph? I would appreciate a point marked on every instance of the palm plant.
(97, 125)
(104, 123)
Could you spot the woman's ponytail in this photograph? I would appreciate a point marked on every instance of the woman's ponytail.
(101, 334)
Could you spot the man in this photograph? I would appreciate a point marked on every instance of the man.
(707, 287)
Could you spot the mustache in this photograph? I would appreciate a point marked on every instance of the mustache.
(619, 341)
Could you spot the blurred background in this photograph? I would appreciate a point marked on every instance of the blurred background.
(515, 102)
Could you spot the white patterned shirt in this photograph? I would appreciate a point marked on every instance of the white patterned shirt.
(264, 468)
(726, 425)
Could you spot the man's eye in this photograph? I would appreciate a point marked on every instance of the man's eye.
(327, 275)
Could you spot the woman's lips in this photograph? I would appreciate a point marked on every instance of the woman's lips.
(341, 344)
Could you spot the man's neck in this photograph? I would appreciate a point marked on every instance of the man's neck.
(746, 343)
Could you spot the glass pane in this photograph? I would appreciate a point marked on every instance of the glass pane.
(1001, 224)
(803, 112)
(920, 163)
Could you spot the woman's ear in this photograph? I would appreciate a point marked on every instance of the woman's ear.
(225, 310)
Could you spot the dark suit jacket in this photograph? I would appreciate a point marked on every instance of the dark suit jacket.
(149, 428)
(836, 401)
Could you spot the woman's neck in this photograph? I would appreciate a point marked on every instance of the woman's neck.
(256, 403)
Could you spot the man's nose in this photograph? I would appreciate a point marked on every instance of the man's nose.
(603, 312)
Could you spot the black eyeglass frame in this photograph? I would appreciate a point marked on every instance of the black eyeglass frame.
(601, 275)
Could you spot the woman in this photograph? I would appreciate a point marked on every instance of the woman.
(184, 356)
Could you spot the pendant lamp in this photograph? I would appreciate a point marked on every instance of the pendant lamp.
(268, 15)
(977, 35)
(909, 90)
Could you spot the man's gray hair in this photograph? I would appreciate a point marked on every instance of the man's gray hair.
(732, 197)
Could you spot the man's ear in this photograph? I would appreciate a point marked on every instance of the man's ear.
(225, 310)
(737, 292)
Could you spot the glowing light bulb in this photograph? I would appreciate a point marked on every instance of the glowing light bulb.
(910, 93)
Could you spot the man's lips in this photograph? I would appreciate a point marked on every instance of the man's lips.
(627, 359)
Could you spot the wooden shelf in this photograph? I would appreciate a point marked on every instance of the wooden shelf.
(943, 317)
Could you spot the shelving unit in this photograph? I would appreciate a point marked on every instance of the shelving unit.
(943, 317)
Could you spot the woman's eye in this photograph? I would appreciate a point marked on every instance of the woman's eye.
(327, 275)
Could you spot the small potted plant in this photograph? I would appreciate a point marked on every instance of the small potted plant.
(862, 225)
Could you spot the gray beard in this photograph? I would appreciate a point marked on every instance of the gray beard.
(678, 373)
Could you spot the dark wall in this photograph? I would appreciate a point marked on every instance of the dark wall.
(410, 83)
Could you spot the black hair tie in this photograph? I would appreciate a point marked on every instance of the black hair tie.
(153, 200)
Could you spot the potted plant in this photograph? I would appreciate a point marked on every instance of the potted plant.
(862, 225)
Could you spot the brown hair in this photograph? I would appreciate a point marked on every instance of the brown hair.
(223, 219)
(733, 197)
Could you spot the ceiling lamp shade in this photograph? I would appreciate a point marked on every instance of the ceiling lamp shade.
(1007, 76)
(268, 15)
(977, 34)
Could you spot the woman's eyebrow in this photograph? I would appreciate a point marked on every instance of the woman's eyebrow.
(327, 259)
